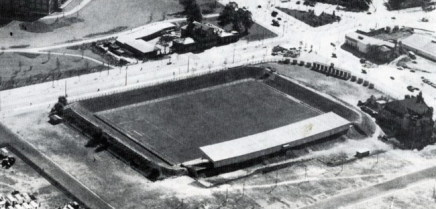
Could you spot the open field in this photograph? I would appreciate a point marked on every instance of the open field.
(23, 178)
(98, 16)
(178, 125)
(19, 69)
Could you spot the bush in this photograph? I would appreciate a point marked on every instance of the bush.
(274, 14)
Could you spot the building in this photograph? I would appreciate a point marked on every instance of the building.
(363, 43)
(420, 44)
(204, 35)
(370, 47)
(30, 7)
(409, 120)
(275, 140)
(142, 42)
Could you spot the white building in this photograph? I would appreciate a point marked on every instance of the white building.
(420, 44)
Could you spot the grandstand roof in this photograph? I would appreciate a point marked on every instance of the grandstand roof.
(289, 134)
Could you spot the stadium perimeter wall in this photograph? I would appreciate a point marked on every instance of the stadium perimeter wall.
(81, 115)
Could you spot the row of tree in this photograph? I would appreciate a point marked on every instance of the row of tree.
(401, 4)
(360, 5)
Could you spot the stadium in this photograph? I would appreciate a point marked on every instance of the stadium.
(221, 119)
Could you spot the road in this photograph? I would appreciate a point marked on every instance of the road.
(140, 74)
(68, 13)
(55, 174)
(374, 191)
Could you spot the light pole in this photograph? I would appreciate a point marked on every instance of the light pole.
(66, 88)
(188, 63)
(125, 80)
(234, 49)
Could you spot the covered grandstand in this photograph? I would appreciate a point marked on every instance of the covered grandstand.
(275, 140)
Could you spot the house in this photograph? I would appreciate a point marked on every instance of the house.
(204, 36)
(409, 120)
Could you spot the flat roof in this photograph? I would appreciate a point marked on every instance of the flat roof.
(274, 138)
(147, 30)
(368, 39)
(426, 43)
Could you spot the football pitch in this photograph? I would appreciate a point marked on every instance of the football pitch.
(176, 126)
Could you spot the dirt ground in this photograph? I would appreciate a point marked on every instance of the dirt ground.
(420, 196)
(23, 178)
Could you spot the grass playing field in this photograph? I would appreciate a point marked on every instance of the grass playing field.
(176, 126)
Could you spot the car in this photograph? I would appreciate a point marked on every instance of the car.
(8, 162)
(363, 71)
(334, 55)
(392, 78)
(368, 13)
(275, 23)
(412, 71)
(393, 18)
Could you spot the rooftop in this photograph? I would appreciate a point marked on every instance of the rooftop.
(289, 134)
(368, 40)
(412, 104)
(422, 42)
(147, 30)
(138, 44)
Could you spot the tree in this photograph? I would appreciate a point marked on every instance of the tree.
(227, 15)
(191, 10)
(246, 19)
(395, 4)
(240, 18)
